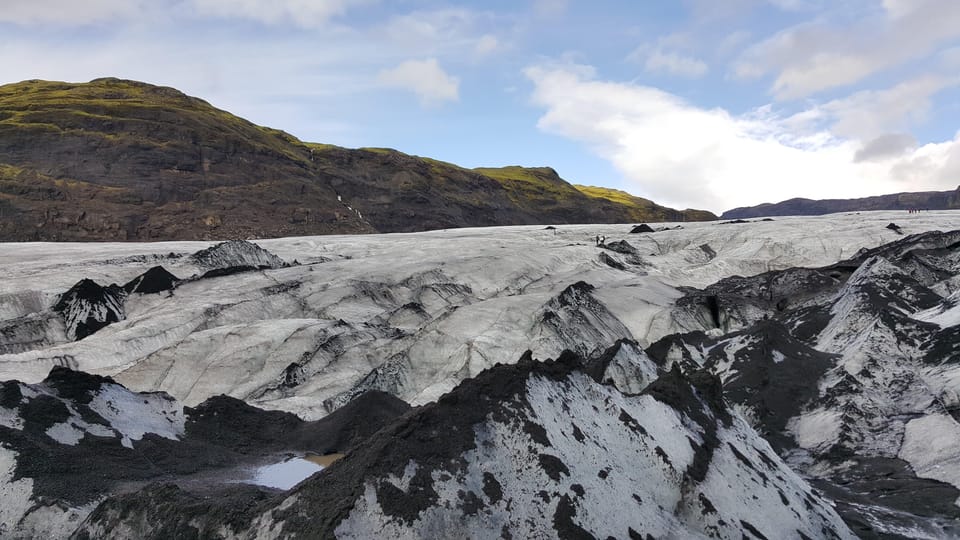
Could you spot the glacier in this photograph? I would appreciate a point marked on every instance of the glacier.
(836, 340)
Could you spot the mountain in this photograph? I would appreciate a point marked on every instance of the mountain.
(123, 160)
(924, 200)
(644, 207)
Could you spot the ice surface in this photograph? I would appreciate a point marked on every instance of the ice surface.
(285, 474)
(133, 415)
(817, 430)
(641, 483)
(944, 315)
(14, 495)
(412, 314)
(930, 446)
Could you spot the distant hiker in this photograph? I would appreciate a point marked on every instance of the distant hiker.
(597, 240)
(603, 239)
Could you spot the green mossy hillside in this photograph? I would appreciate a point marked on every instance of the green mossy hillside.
(644, 209)
(115, 159)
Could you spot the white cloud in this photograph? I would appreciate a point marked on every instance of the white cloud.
(732, 41)
(550, 8)
(664, 56)
(298, 83)
(441, 33)
(885, 146)
(487, 44)
(793, 5)
(675, 64)
(65, 12)
(303, 13)
(869, 113)
(684, 155)
(425, 78)
(819, 55)
(900, 8)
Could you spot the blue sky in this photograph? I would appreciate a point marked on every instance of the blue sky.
(693, 103)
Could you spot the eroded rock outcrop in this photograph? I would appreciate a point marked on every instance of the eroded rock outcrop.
(75, 438)
(534, 449)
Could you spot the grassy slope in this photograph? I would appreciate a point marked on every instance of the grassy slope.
(541, 190)
(100, 149)
(544, 187)
(118, 159)
(109, 107)
(539, 187)
(644, 206)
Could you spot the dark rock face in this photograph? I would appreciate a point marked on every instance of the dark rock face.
(925, 200)
(231, 423)
(893, 484)
(611, 262)
(88, 307)
(236, 254)
(506, 452)
(642, 228)
(78, 437)
(824, 361)
(154, 280)
(176, 513)
(64, 443)
(621, 246)
(580, 322)
(762, 367)
(160, 165)
(735, 302)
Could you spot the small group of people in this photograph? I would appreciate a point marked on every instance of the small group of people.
(601, 240)
(917, 210)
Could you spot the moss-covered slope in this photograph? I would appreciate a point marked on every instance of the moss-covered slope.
(122, 160)
(640, 209)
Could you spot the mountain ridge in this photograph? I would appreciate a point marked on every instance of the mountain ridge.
(919, 200)
(123, 160)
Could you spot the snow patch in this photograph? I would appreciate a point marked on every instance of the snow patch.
(134, 415)
(604, 447)
(630, 370)
(15, 496)
(930, 447)
(817, 430)
(286, 474)
(66, 433)
(10, 418)
(944, 315)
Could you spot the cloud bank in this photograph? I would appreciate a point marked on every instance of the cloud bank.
(425, 78)
(824, 54)
(680, 154)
